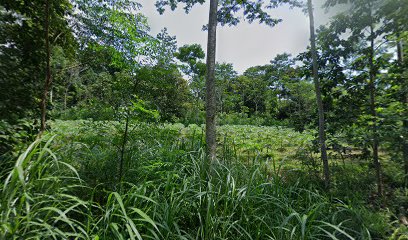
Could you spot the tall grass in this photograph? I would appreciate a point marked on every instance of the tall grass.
(36, 202)
(167, 193)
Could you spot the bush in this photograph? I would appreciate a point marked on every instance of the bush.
(244, 119)
(98, 113)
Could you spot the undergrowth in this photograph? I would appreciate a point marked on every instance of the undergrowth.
(66, 187)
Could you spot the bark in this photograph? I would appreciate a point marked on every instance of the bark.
(400, 54)
(123, 147)
(221, 103)
(48, 80)
(125, 139)
(210, 130)
(405, 145)
(372, 88)
(322, 134)
(65, 99)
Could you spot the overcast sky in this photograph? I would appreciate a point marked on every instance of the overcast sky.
(244, 45)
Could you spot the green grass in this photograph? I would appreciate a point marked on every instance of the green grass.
(243, 141)
(66, 187)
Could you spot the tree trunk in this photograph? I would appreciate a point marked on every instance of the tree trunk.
(405, 142)
(322, 134)
(400, 50)
(400, 53)
(65, 99)
(48, 80)
(222, 103)
(210, 130)
(375, 140)
(123, 147)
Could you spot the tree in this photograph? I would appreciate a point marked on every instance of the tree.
(165, 90)
(254, 90)
(122, 30)
(322, 134)
(211, 108)
(225, 15)
(225, 76)
(365, 24)
(48, 81)
(372, 87)
(23, 51)
(396, 29)
(191, 57)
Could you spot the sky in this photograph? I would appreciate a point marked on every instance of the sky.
(244, 45)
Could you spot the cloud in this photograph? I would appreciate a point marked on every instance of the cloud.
(244, 45)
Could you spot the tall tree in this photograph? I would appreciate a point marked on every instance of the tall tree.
(322, 134)
(47, 84)
(362, 20)
(211, 107)
(191, 57)
(395, 24)
(123, 30)
(401, 61)
(225, 15)
(225, 76)
(23, 51)
(372, 87)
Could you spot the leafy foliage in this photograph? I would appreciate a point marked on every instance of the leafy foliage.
(127, 168)
(22, 57)
(168, 197)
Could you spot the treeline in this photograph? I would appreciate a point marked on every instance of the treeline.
(100, 63)
(105, 63)
(91, 87)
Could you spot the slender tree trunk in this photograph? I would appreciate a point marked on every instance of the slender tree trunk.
(400, 49)
(400, 53)
(211, 108)
(125, 139)
(48, 79)
(405, 129)
(221, 103)
(375, 140)
(322, 134)
(65, 99)
(123, 147)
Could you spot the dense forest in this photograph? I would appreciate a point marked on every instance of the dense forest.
(108, 131)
